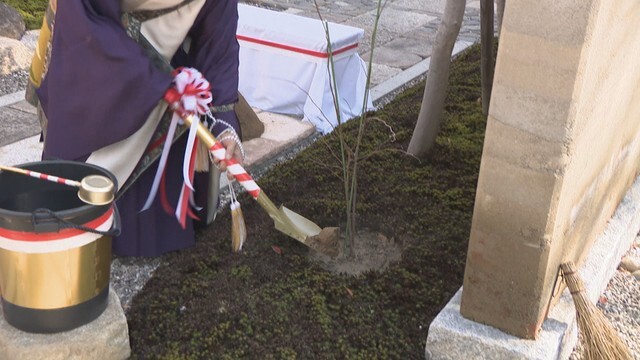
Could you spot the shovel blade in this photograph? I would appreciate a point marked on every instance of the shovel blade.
(300, 228)
(295, 225)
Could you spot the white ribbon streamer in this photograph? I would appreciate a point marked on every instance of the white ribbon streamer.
(196, 97)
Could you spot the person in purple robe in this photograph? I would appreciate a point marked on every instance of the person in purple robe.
(100, 99)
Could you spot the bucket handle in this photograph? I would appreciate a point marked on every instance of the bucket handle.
(45, 220)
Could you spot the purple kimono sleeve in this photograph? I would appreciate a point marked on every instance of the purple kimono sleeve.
(214, 51)
(100, 86)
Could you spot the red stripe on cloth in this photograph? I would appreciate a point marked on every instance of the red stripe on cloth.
(183, 206)
(157, 143)
(192, 214)
(62, 234)
(319, 54)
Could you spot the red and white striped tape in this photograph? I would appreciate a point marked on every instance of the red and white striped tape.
(52, 178)
(234, 168)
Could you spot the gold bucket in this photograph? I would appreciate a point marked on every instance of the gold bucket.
(55, 250)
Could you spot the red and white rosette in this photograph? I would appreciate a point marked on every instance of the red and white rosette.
(195, 98)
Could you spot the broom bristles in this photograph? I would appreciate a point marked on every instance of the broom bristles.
(238, 228)
(599, 339)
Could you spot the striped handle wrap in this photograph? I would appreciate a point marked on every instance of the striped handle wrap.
(218, 151)
(52, 178)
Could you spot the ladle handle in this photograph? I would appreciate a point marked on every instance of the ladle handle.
(41, 176)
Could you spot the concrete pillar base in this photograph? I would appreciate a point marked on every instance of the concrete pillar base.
(453, 337)
(107, 337)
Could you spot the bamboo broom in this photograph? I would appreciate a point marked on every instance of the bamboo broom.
(599, 339)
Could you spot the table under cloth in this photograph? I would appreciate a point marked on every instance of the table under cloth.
(284, 66)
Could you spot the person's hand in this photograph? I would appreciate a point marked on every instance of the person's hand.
(232, 150)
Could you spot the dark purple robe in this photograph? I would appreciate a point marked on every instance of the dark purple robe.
(100, 88)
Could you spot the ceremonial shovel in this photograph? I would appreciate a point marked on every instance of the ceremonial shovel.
(286, 221)
(93, 189)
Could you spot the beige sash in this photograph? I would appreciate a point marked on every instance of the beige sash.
(166, 33)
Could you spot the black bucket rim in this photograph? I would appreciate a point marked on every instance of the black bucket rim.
(67, 212)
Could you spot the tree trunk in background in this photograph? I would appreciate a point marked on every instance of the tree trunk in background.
(430, 116)
(486, 52)
(499, 14)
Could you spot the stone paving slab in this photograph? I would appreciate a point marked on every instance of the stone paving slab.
(396, 21)
(21, 152)
(24, 106)
(380, 73)
(12, 98)
(16, 125)
(431, 6)
(394, 58)
(280, 132)
(411, 44)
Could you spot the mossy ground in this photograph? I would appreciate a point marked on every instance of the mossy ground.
(32, 11)
(208, 303)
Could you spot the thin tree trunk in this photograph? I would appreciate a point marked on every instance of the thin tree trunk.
(430, 116)
(486, 52)
(499, 14)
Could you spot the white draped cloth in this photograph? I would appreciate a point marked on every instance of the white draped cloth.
(284, 66)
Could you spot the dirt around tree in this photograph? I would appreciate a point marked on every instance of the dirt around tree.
(372, 252)
(277, 300)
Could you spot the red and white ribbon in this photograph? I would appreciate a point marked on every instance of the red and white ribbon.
(196, 96)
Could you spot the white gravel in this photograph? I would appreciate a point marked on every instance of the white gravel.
(129, 275)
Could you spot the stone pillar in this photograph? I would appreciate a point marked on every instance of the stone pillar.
(105, 338)
(561, 149)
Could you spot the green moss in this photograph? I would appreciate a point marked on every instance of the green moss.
(242, 272)
(32, 11)
(281, 305)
